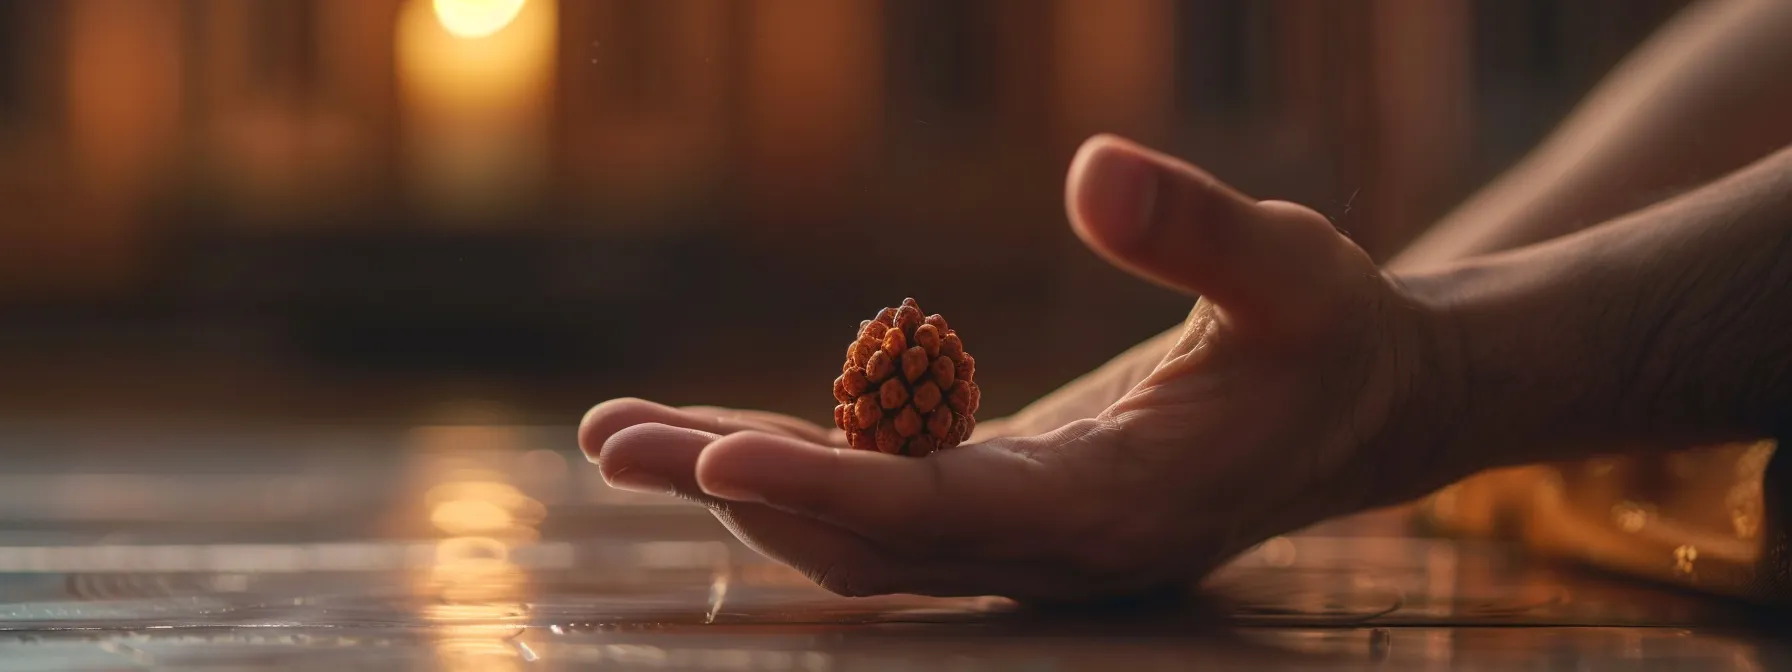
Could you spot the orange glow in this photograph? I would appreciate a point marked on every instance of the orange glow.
(124, 78)
(813, 95)
(1114, 58)
(476, 111)
(473, 19)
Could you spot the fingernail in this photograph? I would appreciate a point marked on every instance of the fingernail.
(636, 480)
(733, 492)
(1118, 192)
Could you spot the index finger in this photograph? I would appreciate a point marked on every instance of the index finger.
(606, 419)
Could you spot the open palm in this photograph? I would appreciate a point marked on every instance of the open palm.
(1281, 401)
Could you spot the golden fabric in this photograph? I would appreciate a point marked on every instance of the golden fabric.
(1711, 518)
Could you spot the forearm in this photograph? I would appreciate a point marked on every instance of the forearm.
(1706, 96)
(1674, 323)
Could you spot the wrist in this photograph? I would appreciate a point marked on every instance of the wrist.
(1533, 361)
(1424, 439)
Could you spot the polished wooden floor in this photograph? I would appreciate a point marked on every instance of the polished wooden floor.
(498, 548)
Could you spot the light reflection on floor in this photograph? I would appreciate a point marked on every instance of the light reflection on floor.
(495, 548)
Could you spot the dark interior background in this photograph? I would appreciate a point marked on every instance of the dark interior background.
(334, 211)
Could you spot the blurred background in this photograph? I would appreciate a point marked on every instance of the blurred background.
(423, 211)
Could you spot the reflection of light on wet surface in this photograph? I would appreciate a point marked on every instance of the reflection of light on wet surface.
(459, 582)
(1440, 572)
(718, 594)
(475, 591)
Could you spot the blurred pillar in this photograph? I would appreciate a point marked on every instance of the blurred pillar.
(123, 91)
(1326, 90)
(295, 103)
(1115, 67)
(356, 79)
(1115, 71)
(355, 56)
(812, 97)
(643, 102)
(1422, 71)
(475, 87)
(1381, 90)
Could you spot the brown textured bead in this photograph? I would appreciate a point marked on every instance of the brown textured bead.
(858, 352)
(879, 367)
(908, 422)
(927, 397)
(888, 441)
(939, 422)
(867, 412)
(920, 446)
(855, 382)
(892, 395)
(951, 346)
(894, 343)
(873, 329)
(907, 386)
(907, 318)
(928, 339)
(944, 372)
(954, 434)
(959, 398)
(914, 363)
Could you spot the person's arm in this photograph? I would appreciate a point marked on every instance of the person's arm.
(1705, 96)
(1306, 384)
(1673, 324)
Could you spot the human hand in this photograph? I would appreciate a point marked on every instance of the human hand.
(1088, 395)
(1299, 382)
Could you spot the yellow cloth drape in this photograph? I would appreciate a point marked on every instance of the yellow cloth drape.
(1709, 518)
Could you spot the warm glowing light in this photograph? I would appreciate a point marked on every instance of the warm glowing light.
(470, 517)
(476, 608)
(477, 112)
(473, 19)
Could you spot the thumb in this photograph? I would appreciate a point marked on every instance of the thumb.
(1171, 223)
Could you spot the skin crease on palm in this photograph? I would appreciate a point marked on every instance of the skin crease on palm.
(1267, 413)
